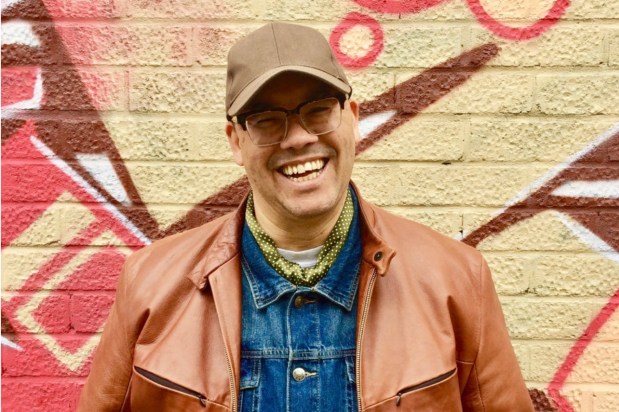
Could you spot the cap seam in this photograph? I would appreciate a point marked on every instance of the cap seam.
(279, 59)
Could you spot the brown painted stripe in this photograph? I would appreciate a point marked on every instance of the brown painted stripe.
(7, 328)
(414, 95)
(10, 126)
(540, 401)
(542, 199)
(27, 9)
(211, 208)
(21, 55)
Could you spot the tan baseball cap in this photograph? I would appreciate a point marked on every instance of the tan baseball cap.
(273, 49)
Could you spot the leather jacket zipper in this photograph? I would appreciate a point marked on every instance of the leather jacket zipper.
(171, 385)
(364, 315)
(231, 379)
(422, 385)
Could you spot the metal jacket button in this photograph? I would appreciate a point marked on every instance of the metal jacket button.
(300, 374)
(301, 300)
(298, 302)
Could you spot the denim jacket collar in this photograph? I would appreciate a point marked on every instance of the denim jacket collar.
(339, 285)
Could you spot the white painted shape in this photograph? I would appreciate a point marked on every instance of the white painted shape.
(606, 189)
(101, 169)
(552, 173)
(590, 238)
(5, 342)
(33, 103)
(373, 122)
(8, 3)
(19, 32)
(62, 165)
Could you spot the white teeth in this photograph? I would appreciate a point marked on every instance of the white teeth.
(311, 176)
(314, 166)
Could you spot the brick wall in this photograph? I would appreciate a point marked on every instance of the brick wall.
(494, 122)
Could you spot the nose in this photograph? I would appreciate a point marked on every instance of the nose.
(297, 137)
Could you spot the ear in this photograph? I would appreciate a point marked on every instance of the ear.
(354, 108)
(235, 143)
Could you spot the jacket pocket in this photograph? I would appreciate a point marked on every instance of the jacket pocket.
(150, 391)
(249, 397)
(438, 394)
(434, 381)
(250, 373)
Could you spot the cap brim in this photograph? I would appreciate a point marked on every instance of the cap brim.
(248, 92)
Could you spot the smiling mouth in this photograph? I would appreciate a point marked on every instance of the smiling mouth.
(303, 172)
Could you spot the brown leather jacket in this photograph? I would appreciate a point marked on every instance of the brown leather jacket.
(430, 331)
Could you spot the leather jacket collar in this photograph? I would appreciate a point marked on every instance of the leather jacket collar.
(375, 250)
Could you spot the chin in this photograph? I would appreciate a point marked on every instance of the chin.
(309, 210)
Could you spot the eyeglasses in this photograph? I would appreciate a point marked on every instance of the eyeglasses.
(270, 127)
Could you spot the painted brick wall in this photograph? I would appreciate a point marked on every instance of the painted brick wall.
(494, 122)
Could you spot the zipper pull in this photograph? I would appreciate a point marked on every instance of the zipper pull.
(398, 399)
(202, 400)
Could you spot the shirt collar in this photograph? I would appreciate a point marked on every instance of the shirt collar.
(339, 285)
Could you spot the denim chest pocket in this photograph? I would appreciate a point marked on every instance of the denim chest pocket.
(250, 373)
(351, 386)
(350, 370)
(337, 390)
(249, 381)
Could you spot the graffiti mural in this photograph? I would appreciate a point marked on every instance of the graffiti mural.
(590, 181)
(74, 205)
(398, 7)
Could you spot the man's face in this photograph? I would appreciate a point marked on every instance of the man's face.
(286, 199)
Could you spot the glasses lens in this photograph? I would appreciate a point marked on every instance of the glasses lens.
(266, 128)
(322, 116)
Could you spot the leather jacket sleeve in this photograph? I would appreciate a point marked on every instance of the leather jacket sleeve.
(495, 382)
(110, 374)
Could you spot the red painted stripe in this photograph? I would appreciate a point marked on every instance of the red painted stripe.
(577, 351)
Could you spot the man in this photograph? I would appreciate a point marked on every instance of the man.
(307, 298)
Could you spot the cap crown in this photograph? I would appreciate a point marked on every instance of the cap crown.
(273, 49)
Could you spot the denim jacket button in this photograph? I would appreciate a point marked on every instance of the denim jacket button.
(299, 374)
(299, 302)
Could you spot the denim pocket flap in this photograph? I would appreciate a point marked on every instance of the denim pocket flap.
(250, 373)
(350, 369)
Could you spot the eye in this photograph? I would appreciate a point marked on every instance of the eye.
(265, 120)
(320, 107)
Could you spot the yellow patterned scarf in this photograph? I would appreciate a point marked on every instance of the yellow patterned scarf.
(290, 270)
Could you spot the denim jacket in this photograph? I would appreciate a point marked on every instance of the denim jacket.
(298, 343)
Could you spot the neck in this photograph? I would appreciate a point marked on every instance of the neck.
(298, 233)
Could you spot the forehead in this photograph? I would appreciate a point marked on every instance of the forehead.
(288, 90)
